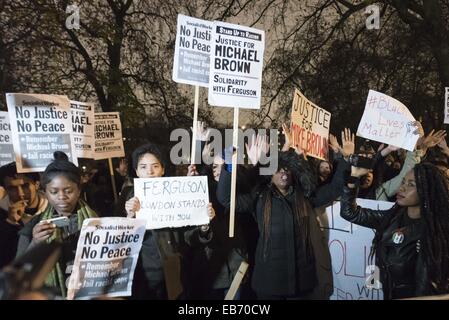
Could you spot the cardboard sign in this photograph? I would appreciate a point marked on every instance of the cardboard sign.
(173, 201)
(83, 128)
(192, 51)
(310, 126)
(387, 120)
(106, 256)
(41, 124)
(108, 136)
(236, 66)
(355, 277)
(6, 147)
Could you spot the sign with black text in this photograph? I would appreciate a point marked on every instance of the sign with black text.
(83, 128)
(106, 256)
(6, 147)
(236, 64)
(108, 136)
(192, 51)
(173, 201)
(40, 124)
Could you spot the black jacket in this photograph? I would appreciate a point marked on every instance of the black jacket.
(403, 272)
(285, 269)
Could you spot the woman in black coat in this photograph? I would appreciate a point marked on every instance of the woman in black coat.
(411, 244)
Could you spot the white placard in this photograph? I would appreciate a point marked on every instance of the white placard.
(41, 124)
(350, 245)
(6, 147)
(106, 256)
(236, 66)
(192, 51)
(108, 136)
(387, 120)
(172, 201)
(83, 128)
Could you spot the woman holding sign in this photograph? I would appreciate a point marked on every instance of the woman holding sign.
(412, 238)
(159, 268)
(61, 220)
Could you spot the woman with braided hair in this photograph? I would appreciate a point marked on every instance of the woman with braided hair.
(412, 238)
(62, 184)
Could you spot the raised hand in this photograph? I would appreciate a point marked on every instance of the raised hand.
(348, 142)
(431, 140)
(333, 143)
(258, 144)
(202, 132)
(122, 167)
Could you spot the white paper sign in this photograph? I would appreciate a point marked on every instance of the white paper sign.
(387, 120)
(83, 128)
(310, 126)
(192, 51)
(236, 66)
(172, 201)
(108, 136)
(350, 244)
(41, 124)
(6, 147)
(106, 256)
(446, 105)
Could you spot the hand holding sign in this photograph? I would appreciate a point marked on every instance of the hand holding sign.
(132, 206)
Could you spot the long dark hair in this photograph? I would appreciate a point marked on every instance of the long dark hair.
(304, 184)
(433, 193)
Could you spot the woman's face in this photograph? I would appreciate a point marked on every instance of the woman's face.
(324, 170)
(282, 179)
(62, 194)
(407, 195)
(149, 166)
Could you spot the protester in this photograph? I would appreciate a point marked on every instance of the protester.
(159, 271)
(61, 181)
(411, 244)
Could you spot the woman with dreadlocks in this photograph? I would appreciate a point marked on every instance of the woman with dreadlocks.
(411, 244)
(62, 184)
(290, 242)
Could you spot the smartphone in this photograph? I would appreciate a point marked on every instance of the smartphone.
(361, 162)
(60, 222)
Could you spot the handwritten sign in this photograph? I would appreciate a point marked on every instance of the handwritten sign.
(355, 277)
(236, 66)
(172, 201)
(310, 126)
(106, 256)
(387, 120)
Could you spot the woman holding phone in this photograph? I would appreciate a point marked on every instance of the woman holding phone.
(61, 182)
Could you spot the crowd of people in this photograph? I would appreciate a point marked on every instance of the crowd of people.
(276, 230)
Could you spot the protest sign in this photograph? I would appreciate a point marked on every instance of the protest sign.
(446, 105)
(387, 120)
(192, 51)
(355, 277)
(83, 128)
(236, 66)
(6, 147)
(106, 256)
(40, 124)
(173, 201)
(108, 136)
(310, 126)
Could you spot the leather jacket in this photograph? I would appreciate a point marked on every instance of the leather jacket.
(403, 272)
